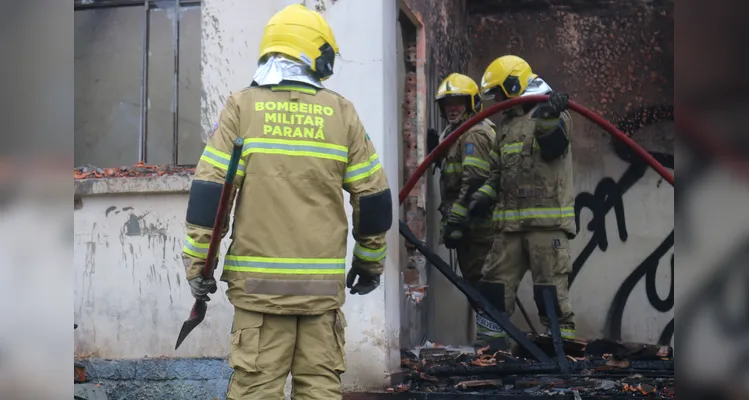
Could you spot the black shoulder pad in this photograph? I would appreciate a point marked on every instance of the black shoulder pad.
(375, 213)
(203, 203)
(554, 144)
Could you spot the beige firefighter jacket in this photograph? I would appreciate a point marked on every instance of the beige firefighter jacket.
(465, 167)
(531, 193)
(302, 147)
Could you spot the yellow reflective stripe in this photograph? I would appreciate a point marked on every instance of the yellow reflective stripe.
(220, 159)
(476, 162)
(362, 170)
(458, 209)
(451, 168)
(195, 249)
(366, 254)
(547, 124)
(483, 224)
(288, 266)
(515, 147)
(281, 88)
(494, 156)
(531, 213)
(295, 148)
(489, 191)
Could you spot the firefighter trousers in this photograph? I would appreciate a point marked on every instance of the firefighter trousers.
(266, 347)
(471, 256)
(546, 254)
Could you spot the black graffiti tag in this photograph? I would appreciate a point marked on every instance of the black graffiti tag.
(607, 196)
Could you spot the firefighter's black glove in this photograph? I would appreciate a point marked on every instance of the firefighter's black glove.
(480, 205)
(366, 283)
(200, 287)
(452, 235)
(557, 103)
(433, 140)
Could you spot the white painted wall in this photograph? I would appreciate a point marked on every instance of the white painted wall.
(131, 297)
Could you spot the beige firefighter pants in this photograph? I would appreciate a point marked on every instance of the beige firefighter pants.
(546, 254)
(266, 347)
(471, 257)
(472, 254)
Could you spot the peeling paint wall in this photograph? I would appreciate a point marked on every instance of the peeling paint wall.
(616, 59)
(131, 294)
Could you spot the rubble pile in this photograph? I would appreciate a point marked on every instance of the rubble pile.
(598, 368)
(137, 170)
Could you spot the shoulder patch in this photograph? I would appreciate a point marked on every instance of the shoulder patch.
(469, 148)
(215, 128)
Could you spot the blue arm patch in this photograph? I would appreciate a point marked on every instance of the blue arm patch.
(215, 127)
(469, 148)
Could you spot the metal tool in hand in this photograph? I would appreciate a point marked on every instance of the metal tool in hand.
(197, 314)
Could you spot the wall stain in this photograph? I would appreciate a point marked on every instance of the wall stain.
(134, 225)
(90, 265)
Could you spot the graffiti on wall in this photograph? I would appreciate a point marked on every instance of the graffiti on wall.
(608, 197)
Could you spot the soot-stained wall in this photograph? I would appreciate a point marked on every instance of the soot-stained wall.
(446, 29)
(614, 60)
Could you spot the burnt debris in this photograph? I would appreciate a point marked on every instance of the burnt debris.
(597, 368)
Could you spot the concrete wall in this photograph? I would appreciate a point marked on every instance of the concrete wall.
(617, 61)
(131, 298)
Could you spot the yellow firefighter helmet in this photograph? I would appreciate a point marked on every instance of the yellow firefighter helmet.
(303, 34)
(460, 85)
(510, 73)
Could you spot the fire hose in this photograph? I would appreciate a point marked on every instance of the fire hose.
(585, 112)
(443, 267)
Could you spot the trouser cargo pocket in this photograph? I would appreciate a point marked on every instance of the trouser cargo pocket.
(245, 340)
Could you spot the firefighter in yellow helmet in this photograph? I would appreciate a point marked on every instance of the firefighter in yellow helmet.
(531, 190)
(285, 267)
(464, 168)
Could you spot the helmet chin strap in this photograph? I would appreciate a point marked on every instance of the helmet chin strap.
(463, 118)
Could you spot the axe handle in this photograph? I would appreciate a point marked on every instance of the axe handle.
(223, 208)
